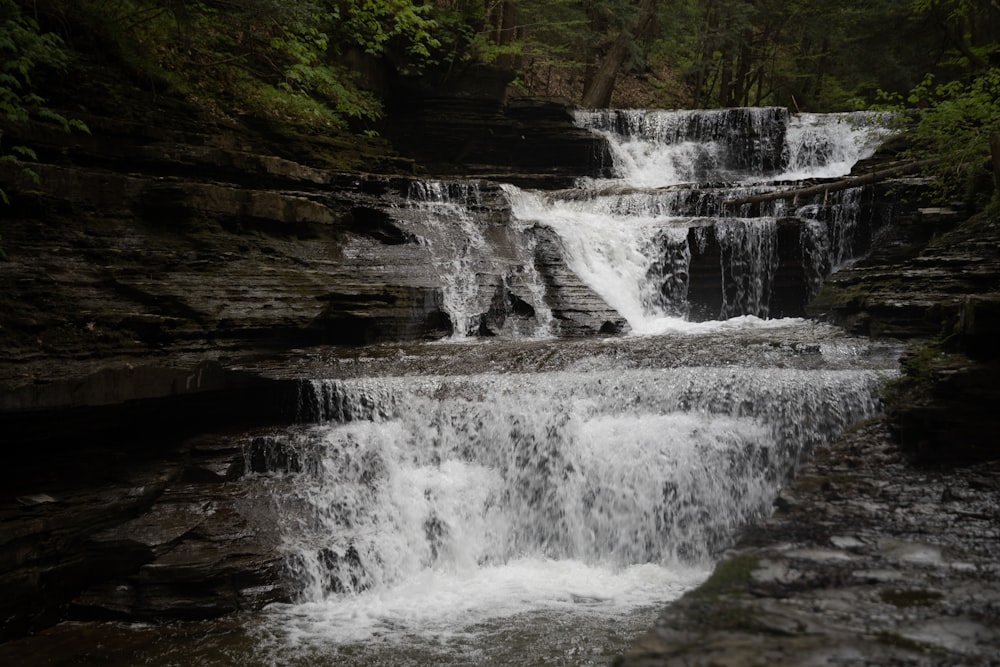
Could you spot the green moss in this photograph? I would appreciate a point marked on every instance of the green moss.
(730, 576)
(738, 618)
(919, 360)
(832, 295)
(910, 598)
(917, 365)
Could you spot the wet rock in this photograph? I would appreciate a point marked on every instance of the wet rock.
(135, 537)
(577, 309)
(860, 580)
(914, 288)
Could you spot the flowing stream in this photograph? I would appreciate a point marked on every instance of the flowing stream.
(532, 499)
(536, 502)
(629, 382)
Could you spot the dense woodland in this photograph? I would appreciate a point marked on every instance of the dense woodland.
(329, 63)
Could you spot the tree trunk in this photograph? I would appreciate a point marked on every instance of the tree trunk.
(504, 21)
(598, 93)
(725, 81)
(835, 186)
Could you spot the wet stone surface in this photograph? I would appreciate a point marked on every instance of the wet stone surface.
(868, 560)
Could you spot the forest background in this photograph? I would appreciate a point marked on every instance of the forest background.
(329, 64)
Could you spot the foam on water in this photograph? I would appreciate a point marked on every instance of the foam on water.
(438, 604)
(829, 145)
(437, 506)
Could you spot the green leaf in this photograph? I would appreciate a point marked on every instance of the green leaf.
(24, 151)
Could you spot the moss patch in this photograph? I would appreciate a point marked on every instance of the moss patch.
(730, 576)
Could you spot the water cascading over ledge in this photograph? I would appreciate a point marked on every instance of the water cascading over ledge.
(457, 504)
(437, 501)
(655, 243)
(658, 241)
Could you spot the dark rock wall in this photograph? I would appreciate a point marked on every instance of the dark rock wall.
(154, 260)
(95, 532)
(468, 126)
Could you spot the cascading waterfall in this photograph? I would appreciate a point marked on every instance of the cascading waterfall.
(531, 500)
(695, 453)
(482, 270)
(829, 145)
(624, 238)
(457, 245)
(607, 228)
(428, 506)
(722, 145)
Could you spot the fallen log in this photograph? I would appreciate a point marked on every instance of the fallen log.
(835, 186)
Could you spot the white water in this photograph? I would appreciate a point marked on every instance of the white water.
(435, 509)
(662, 148)
(829, 145)
(630, 240)
(457, 245)
(463, 247)
(537, 506)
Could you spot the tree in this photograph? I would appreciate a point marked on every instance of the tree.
(286, 60)
(958, 122)
(598, 93)
(959, 125)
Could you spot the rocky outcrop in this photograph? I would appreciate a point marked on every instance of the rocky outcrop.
(97, 532)
(467, 126)
(575, 307)
(919, 282)
(164, 253)
(120, 265)
(867, 560)
(946, 290)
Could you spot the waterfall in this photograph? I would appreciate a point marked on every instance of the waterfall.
(488, 283)
(457, 245)
(448, 500)
(829, 145)
(655, 245)
(652, 148)
(533, 498)
(625, 237)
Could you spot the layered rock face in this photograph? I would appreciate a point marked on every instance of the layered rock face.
(98, 532)
(154, 260)
(116, 262)
(939, 280)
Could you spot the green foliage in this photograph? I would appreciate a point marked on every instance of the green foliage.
(23, 48)
(555, 34)
(372, 24)
(953, 122)
(282, 60)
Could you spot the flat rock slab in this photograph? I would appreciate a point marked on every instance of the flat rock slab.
(868, 560)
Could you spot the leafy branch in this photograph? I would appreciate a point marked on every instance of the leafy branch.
(958, 123)
(23, 48)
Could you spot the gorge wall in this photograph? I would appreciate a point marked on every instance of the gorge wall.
(163, 257)
(160, 257)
